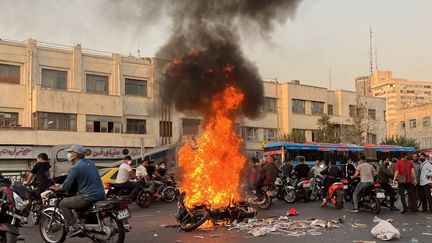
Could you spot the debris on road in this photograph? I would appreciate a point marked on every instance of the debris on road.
(292, 212)
(199, 236)
(384, 230)
(285, 227)
(360, 226)
(364, 241)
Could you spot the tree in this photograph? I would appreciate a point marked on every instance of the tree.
(401, 141)
(295, 136)
(360, 125)
(327, 130)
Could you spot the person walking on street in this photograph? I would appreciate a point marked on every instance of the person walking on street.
(426, 172)
(366, 173)
(405, 177)
(416, 189)
(384, 177)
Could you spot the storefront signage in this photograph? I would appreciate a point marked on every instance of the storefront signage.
(13, 152)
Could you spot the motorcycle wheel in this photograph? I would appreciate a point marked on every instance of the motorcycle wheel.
(314, 193)
(339, 199)
(169, 194)
(289, 195)
(144, 199)
(195, 221)
(307, 195)
(348, 197)
(57, 233)
(35, 211)
(376, 205)
(267, 202)
(117, 229)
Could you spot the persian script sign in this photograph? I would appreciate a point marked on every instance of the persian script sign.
(16, 152)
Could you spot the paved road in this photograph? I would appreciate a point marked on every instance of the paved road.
(147, 227)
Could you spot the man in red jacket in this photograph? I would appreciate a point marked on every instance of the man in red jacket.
(405, 176)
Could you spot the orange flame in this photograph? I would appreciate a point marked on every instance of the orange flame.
(211, 168)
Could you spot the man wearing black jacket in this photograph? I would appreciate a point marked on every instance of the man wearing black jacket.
(333, 173)
(384, 177)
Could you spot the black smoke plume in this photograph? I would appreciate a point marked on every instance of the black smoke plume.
(206, 41)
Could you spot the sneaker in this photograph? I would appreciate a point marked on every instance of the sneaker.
(74, 231)
(355, 211)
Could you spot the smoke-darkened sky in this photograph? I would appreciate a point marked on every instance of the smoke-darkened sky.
(322, 35)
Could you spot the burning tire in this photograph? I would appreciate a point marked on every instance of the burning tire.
(195, 221)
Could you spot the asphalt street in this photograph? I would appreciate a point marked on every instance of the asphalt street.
(149, 225)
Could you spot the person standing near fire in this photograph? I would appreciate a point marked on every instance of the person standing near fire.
(267, 175)
(405, 177)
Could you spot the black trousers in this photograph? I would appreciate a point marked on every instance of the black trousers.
(403, 187)
(426, 197)
(390, 191)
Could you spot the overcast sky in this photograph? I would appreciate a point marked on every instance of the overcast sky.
(323, 35)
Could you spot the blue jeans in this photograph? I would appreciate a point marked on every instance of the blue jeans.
(359, 188)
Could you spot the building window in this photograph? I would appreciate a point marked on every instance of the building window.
(8, 119)
(413, 123)
(269, 134)
(105, 124)
(298, 106)
(136, 126)
(55, 121)
(269, 104)
(372, 114)
(190, 126)
(54, 79)
(371, 138)
(317, 108)
(426, 121)
(250, 133)
(9, 74)
(402, 124)
(97, 84)
(136, 87)
(299, 132)
(352, 109)
(165, 128)
(330, 110)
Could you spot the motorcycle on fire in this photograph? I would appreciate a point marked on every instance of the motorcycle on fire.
(192, 218)
(104, 221)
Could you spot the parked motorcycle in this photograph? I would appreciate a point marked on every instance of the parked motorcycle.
(166, 190)
(300, 190)
(192, 218)
(104, 221)
(335, 195)
(316, 187)
(10, 219)
(143, 198)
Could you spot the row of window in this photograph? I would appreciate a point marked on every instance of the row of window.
(299, 107)
(371, 113)
(413, 122)
(254, 134)
(57, 79)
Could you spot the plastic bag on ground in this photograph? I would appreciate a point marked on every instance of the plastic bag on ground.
(385, 231)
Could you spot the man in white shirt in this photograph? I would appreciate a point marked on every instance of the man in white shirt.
(425, 173)
(125, 174)
(141, 172)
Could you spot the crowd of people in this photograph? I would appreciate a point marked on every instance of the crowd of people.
(413, 177)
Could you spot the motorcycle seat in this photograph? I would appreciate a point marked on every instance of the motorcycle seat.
(338, 183)
(105, 204)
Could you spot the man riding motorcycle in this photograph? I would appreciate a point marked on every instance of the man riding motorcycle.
(366, 173)
(384, 177)
(126, 173)
(332, 174)
(267, 175)
(84, 181)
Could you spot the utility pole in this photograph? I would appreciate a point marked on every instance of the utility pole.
(376, 58)
(330, 79)
(370, 50)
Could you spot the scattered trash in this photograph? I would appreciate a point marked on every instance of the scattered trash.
(364, 241)
(179, 241)
(385, 230)
(213, 236)
(170, 225)
(155, 235)
(292, 212)
(199, 236)
(427, 233)
(356, 225)
(285, 226)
